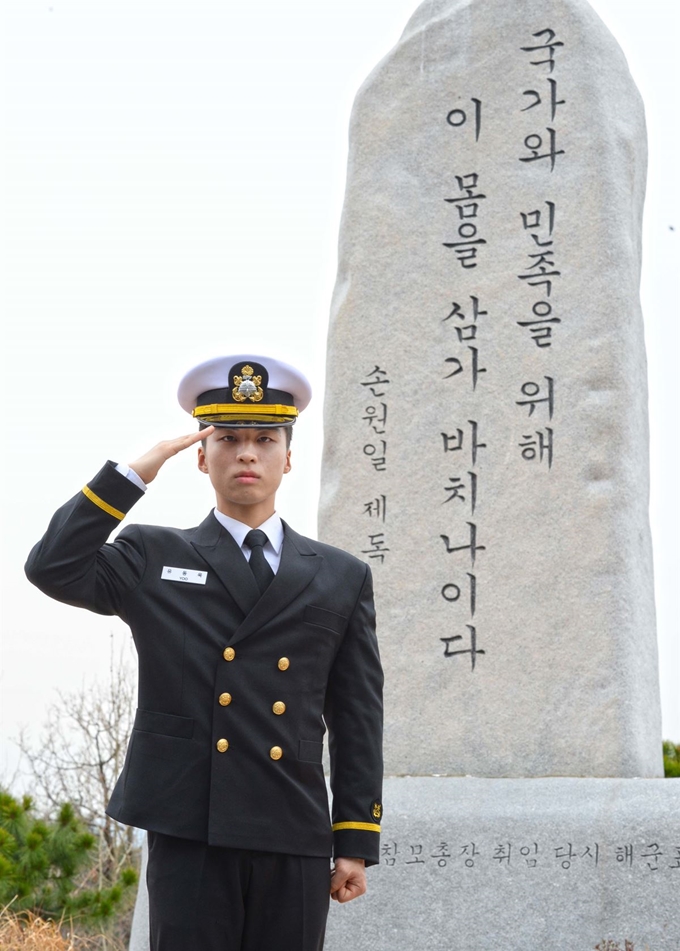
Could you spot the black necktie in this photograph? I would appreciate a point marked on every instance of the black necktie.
(255, 540)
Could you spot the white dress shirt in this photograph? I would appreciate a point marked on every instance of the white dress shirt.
(238, 530)
(272, 528)
(131, 475)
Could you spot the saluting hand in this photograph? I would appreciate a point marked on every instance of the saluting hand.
(148, 466)
(348, 880)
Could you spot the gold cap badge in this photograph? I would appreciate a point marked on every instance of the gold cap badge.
(247, 386)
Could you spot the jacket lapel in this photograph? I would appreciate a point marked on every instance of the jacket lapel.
(216, 546)
(299, 564)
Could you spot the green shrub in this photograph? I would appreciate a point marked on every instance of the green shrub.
(671, 760)
(44, 865)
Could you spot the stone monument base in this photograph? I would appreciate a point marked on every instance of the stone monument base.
(521, 865)
(514, 865)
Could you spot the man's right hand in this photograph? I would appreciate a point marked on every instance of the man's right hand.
(148, 466)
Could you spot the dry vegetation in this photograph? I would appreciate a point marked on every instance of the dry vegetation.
(30, 933)
(34, 934)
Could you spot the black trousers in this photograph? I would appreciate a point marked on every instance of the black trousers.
(206, 898)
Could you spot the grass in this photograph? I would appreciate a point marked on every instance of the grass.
(31, 933)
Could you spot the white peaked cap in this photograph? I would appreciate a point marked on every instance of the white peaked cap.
(283, 387)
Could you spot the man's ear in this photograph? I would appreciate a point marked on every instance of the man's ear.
(287, 467)
(202, 463)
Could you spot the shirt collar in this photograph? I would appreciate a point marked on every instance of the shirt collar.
(238, 530)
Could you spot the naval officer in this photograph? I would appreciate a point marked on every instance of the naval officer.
(252, 640)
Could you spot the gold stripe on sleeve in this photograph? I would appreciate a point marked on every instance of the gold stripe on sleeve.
(109, 509)
(364, 826)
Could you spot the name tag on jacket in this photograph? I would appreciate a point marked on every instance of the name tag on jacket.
(188, 575)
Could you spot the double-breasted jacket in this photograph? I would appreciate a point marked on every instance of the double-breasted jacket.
(235, 689)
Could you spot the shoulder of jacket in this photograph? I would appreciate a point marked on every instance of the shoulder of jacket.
(157, 532)
(336, 555)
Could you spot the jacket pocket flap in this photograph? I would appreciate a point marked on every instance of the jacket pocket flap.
(323, 618)
(310, 751)
(164, 723)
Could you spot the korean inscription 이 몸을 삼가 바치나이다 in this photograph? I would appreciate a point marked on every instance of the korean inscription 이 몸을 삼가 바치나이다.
(485, 417)
(539, 274)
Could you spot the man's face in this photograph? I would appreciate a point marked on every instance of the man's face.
(245, 466)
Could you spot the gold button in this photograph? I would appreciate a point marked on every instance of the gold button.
(279, 707)
(222, 746)
(228, 653)
(225, 699)
(275, 752)
(284, 663)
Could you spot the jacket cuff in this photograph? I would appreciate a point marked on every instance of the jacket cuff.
(357, 843)
(112, 492)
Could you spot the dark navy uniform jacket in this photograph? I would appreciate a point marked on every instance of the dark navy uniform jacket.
(234, 687)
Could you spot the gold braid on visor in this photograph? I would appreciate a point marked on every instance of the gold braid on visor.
(237, 412)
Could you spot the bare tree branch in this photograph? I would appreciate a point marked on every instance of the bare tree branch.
(81, 752)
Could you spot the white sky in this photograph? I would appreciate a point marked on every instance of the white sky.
(174, 174)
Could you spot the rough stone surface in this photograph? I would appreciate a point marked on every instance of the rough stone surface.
(432, 441)
(139, 933)
(541, 897)
(479, 864)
